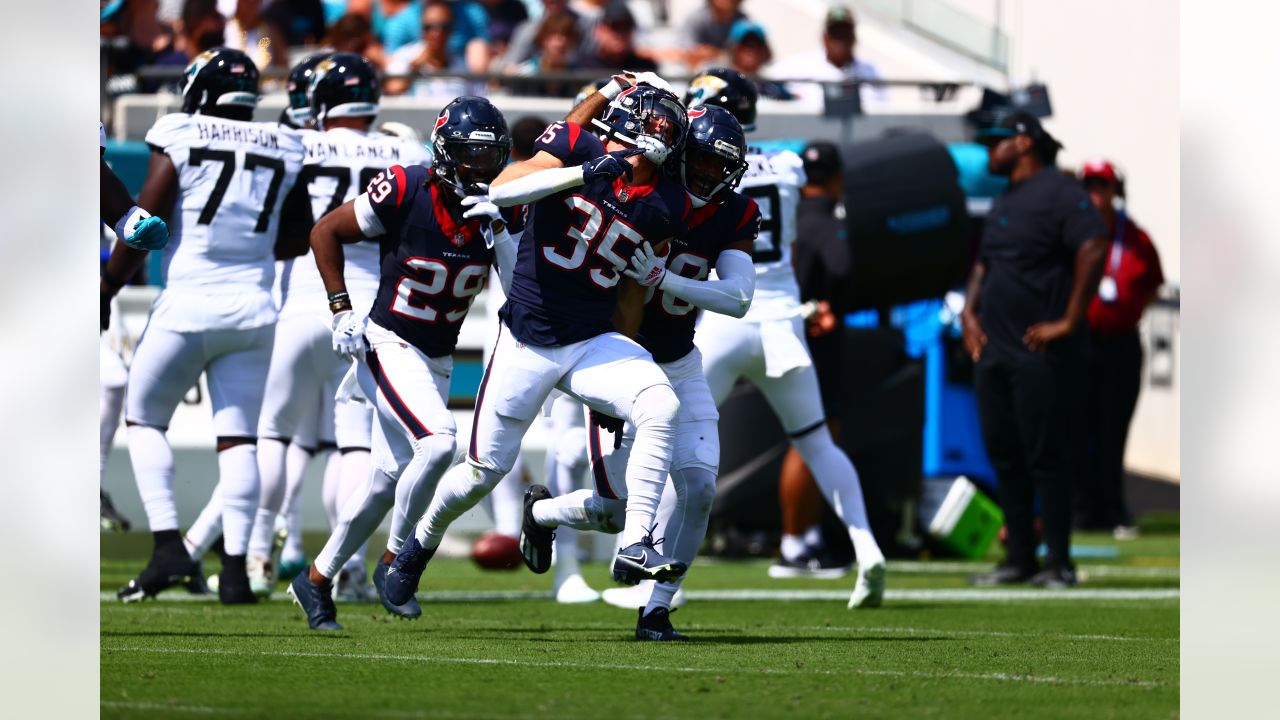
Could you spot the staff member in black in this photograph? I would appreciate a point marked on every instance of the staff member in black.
(1039, 263)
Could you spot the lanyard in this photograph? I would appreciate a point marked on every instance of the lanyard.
(1117, 244)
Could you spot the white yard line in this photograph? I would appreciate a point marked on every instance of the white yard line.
(1109, 571)
(429, 659)
(921, 594)
(165, 707)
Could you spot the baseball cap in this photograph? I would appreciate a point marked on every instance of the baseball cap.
(1099, 168)
(741, 29)
(618, 17)
(1016, 123)
(839, 15)
(821, 160)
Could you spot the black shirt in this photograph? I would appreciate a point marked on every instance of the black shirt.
(822, 257)
(1029, 249)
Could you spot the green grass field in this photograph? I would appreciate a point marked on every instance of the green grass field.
(492, 645)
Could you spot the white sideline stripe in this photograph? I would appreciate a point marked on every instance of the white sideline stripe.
(927, 594)
(996, 677)
(979, 633)
(1110, 571)
(163, 707)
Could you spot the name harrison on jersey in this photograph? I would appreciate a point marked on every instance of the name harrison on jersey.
(250, 134)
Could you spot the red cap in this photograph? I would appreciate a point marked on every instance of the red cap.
(1099, 168)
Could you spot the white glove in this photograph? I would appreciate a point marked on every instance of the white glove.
(649, 78)
(348, 335)
(480, 206)
(646, 268)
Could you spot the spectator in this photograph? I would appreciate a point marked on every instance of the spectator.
(749, 52)
(353, 33)
(431, 54)
(835, 61)
(705, 33)
(590, 13)
(512, 12)
(615, 43)
(557, 38)
(200, 27)
(524, 133)
(136, 39)
(293, 23)
(522, 46)
(1131, 277)
(395, 22)
(1038, 264)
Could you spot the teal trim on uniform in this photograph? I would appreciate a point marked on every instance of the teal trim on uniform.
(971, 162)
(795, 145)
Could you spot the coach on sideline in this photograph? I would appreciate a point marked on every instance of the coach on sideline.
(1038, 266)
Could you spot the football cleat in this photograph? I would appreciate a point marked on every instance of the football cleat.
(233, 582)
(1054, 578)
(630, 598)
(352, 585)
(262, 577)
(166, 569)
(1004, 574)
(535, 540)
(657, 626)
(809, 565)
(315, 601)
(868, 592)
(401, 581)
(640, 561)
(196, 584)
(410, 610)
(108, 517)
(574, 590)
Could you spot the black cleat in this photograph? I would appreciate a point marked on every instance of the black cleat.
(168, 567)
(196, 584)
(110, 518)
(233, 582)
(401, 580)
(811, 564)
(316, 601)
(640, 561)
(1054, 578)
(657, 626)
(535, 540)
(410, 610)
(1004, 574)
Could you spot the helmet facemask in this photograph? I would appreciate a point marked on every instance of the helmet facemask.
(654, 122)
(468, 165)
(707, 171)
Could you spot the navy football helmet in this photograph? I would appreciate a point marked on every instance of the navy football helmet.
(298, 114)
(221, 81)
(470, 144)
(730, 90)
(344, 85)
(648, 118)
(714, 155)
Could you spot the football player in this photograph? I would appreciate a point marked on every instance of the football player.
(140, 230)
(594, 200)
(343, 155)
(223, 176)
(767, 346)
(718, 235)
(435, 257)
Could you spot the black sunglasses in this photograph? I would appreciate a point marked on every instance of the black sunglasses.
(428, 27)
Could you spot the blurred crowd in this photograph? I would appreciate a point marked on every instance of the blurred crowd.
(527, 44)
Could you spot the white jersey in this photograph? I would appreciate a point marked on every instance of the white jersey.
(219, 264)
(773, 179)
(338, 166)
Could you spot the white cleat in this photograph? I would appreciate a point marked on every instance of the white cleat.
(262, 576)
(630, 598)
(574, 590)
(352, 585)
(869, 590)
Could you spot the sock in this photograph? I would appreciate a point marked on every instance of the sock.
(357, 521)
(457, 492)
(152, 461)
(581, 510)
(432, 456)
(204, 532)
(507, 501)
(838, 480)
(331, 491)
(271, 472)
(293, 513)
(238, 478)
(653, 415)
(813, 537)
(352, 472)
(108, 422)
(793, 546)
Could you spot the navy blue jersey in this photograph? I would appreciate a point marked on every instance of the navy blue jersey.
(565, 285)
(432, 267)
(667, 328)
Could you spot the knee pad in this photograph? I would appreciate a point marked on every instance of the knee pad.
(608, 515)
(571, 448)
(437, 449)
(655, 404)
(699, 486)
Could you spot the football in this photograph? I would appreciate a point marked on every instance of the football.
(495, 551)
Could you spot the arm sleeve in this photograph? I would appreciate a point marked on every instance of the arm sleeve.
(535, 186)
(729, 295)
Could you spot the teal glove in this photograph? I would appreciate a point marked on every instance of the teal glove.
(141, 230)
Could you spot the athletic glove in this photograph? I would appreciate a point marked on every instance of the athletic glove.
(141, 230)
(647, 267)
(609, 423)
(348, 335)
(609, 167)
(650, 78)
(480, 206)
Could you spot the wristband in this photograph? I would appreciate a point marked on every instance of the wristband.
(613, 88)
(339, 301)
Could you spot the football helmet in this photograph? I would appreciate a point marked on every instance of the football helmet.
(298, 85)
(221, 78)
(648, 118)
(470, 144)
(729, 89)
(344, 85)
(714, 155)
